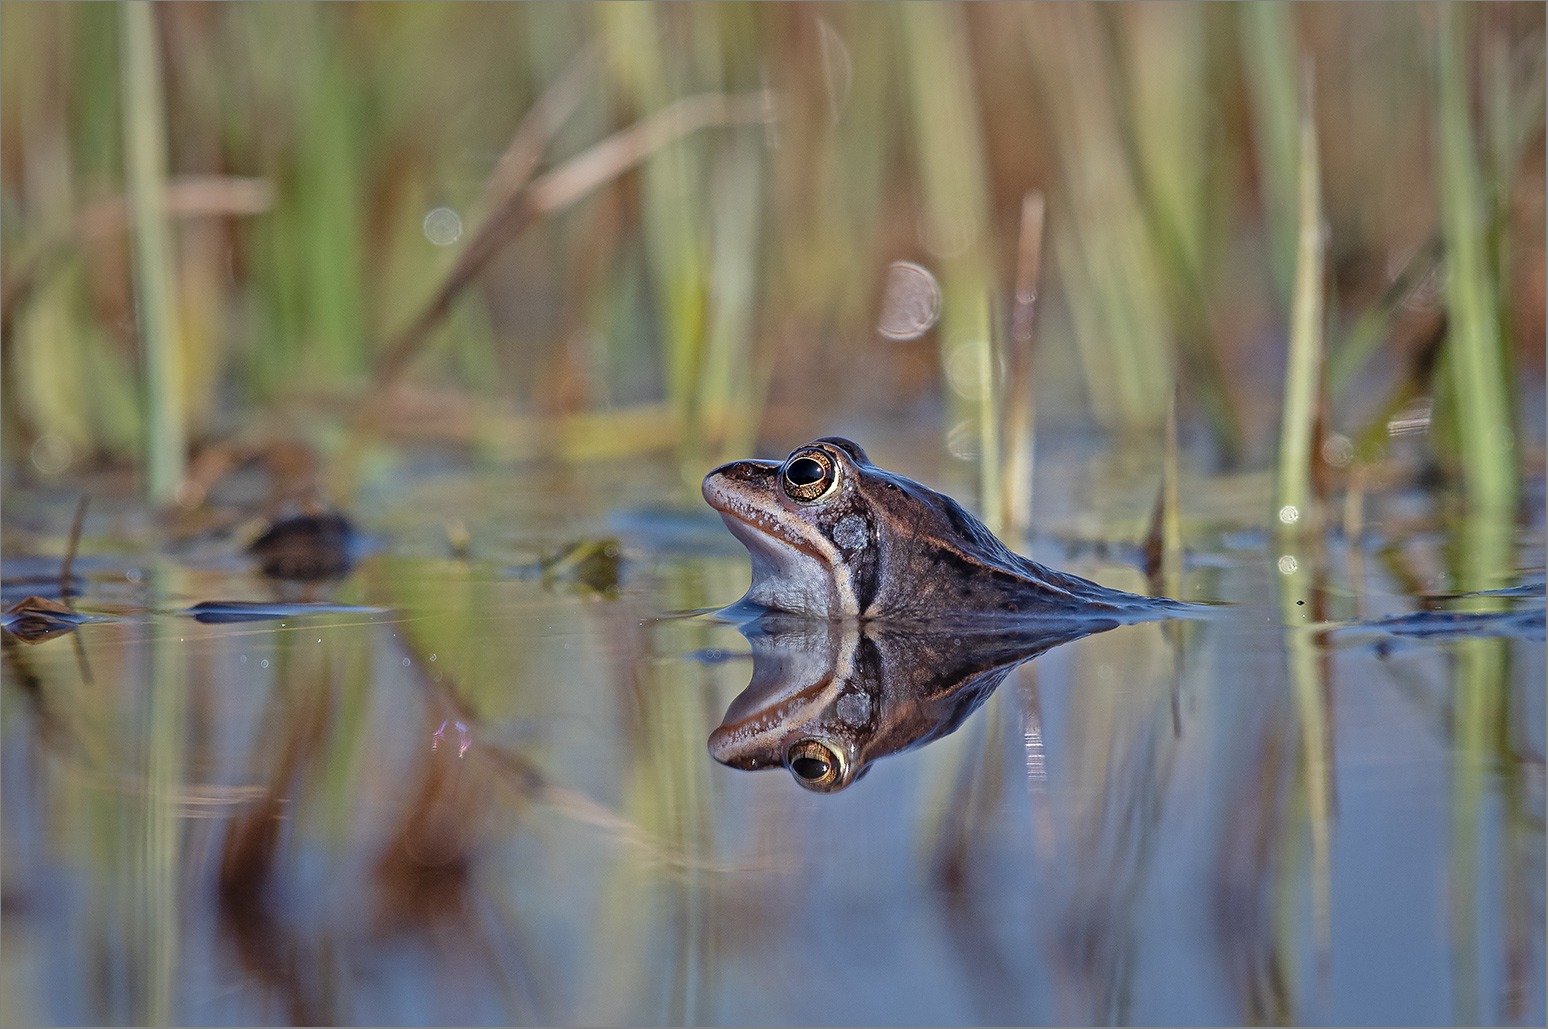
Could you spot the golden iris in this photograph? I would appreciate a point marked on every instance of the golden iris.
(815, 765)
(808, 475)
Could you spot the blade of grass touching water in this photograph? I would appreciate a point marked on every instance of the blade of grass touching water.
(1482, 557)
(1020, 425)
(1293, 498)
(1295, 516)
(75, 541)
(1163, 548)
(1477, 364)
(155, 287)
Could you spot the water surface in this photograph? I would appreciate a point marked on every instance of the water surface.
(479, 789)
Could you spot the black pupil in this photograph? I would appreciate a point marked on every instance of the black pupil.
(803, 471)
(809, 767)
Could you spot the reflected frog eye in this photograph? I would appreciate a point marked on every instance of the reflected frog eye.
(808, 475)
(815, 765)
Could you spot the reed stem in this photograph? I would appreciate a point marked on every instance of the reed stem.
(1268, 60)
(161, 347)
(1477, 363)
(1016, 501)
(949, 149)
(1293, 498)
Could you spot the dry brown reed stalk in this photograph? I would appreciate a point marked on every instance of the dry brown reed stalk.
(560, 188)
(521, 157)
(1163, 546)
(186, 196)
(1365, 337)
(75, 541)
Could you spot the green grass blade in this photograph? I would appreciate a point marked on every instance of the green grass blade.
(949, 150)
(1477, 363)
(155, 286)
(1268, 61)
(1293, 497)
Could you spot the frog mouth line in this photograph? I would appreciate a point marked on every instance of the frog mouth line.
(779, 539)
(761, 731)
(750, 738)
(731, 506)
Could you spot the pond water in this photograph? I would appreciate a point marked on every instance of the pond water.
(478, 789)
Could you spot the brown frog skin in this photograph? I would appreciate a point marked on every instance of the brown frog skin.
(827, 698)
(833, 536)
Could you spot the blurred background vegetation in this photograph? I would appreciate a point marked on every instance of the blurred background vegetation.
(333, 235)
(457, 224)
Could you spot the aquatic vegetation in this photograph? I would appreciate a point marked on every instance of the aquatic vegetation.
(393, 342)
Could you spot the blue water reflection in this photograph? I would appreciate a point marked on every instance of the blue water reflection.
(466, 796)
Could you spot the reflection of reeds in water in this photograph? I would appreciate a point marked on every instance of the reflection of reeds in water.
(165, 746)
(1107, 795)
(741, 261)
(251, 862)
(960, 816)
(1122, 749)
(1248, 924)
(1297, 522)
(656, 930)
(459, 856)
(1483, 554)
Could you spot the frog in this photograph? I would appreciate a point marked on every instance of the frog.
(827, 698)
(832, 536)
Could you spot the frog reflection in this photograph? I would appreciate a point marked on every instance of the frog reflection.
(828, 698)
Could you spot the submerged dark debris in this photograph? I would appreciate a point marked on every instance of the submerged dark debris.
(307, 547)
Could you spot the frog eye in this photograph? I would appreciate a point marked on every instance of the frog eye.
(808, 475)
(816, 765)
